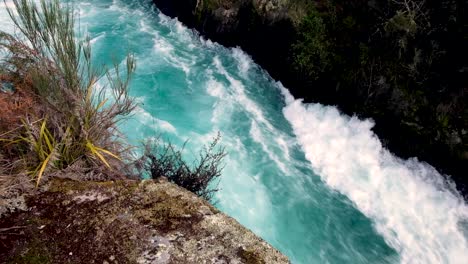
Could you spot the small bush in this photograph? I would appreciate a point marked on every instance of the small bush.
(76, 122)
(312, 54)
(164, 160)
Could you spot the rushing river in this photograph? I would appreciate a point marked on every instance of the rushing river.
(314, 183)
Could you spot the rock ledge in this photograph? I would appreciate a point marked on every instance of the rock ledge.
(125, 222)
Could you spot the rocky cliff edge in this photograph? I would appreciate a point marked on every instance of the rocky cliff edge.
(124, 222)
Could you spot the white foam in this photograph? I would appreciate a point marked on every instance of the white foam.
(283, 145)
(243, 61)
(156, 124)
(115, 6)
(409, 203)
(97, 38)
(165, 49)
(237, 86)
(223, 107)
(215, 88)
(261, 129)
(178, 31)
(5, 21)
(258, 137)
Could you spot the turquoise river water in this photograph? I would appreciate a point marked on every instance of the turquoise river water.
(315, 183)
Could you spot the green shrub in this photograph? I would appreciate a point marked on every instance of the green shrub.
(76, 122)
(164, 160)
(312, 52)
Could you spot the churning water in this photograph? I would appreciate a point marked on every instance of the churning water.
(316, 184)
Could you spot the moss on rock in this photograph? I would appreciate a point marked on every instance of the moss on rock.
(125, 222)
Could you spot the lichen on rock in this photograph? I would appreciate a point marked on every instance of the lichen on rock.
(125, 222)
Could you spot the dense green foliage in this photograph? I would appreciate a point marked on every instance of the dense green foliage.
(313, 53)
(400, 62)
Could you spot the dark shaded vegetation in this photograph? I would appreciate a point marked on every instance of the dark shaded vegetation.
(403, 63)
(199, 177)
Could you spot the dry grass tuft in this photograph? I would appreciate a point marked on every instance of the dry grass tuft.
(14, 106)
(59, 116)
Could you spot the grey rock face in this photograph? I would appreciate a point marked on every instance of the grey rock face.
(126, 222)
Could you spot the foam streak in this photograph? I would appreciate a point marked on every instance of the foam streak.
(410, 203)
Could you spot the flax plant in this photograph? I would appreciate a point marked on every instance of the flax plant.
(78, 118)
